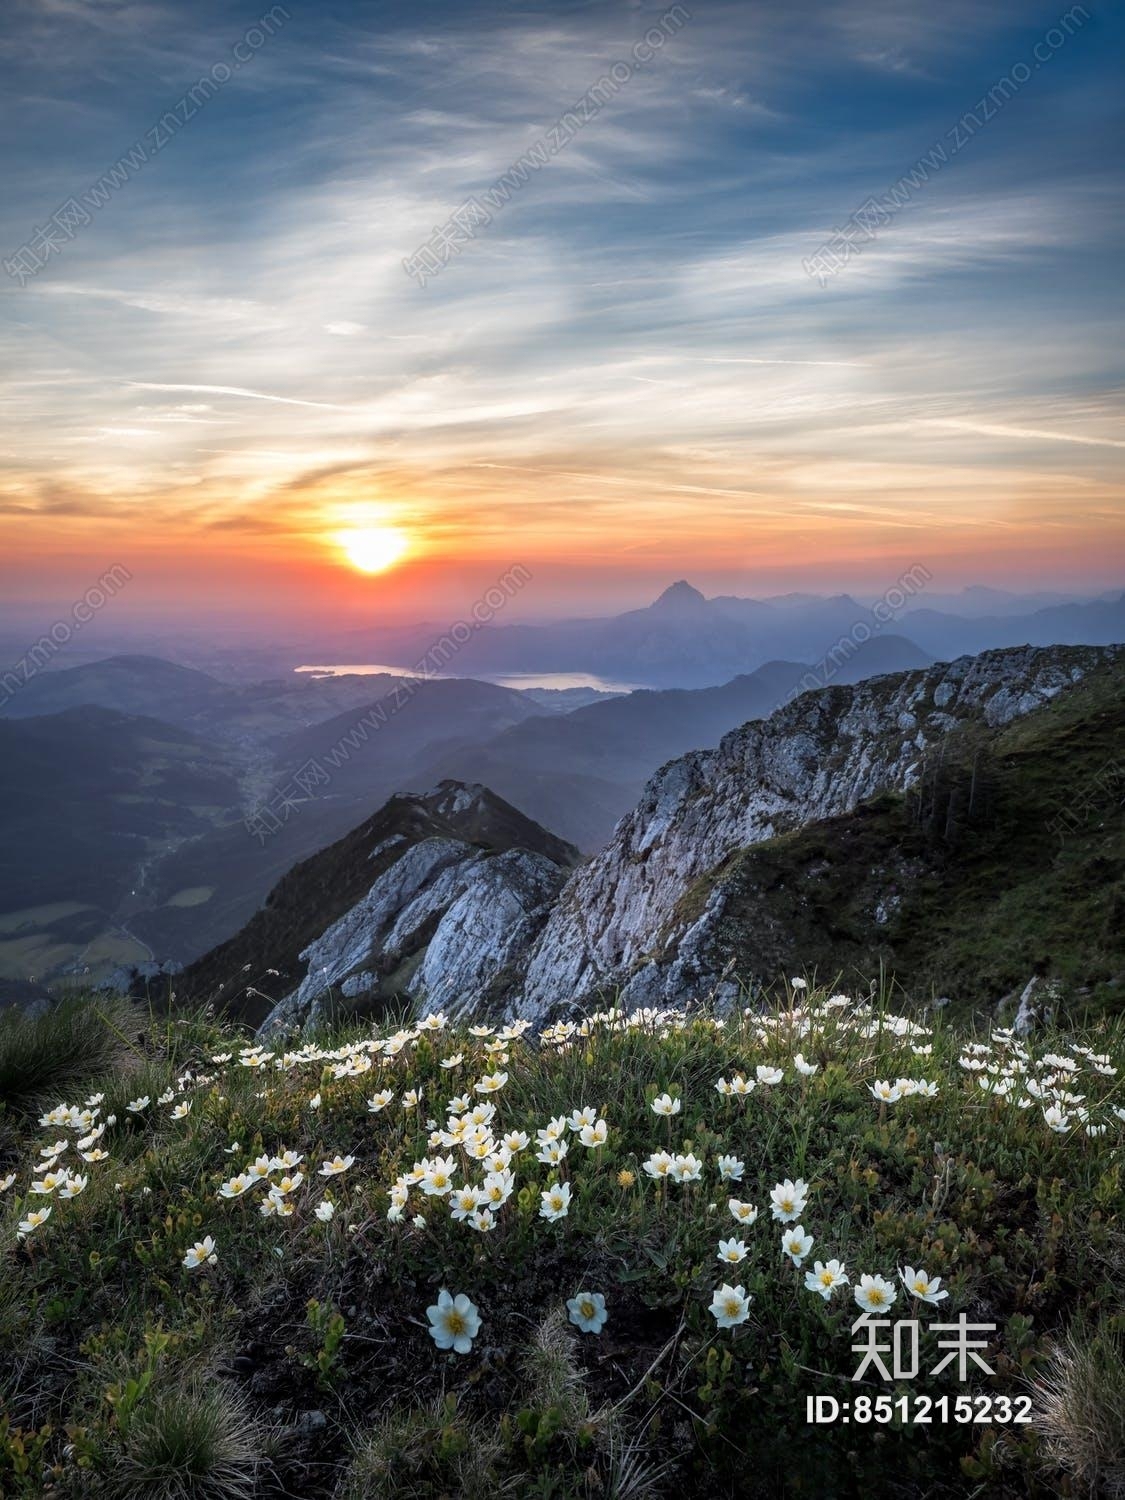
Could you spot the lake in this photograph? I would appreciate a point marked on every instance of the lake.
(557, 680)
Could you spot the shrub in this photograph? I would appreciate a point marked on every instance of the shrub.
(188, 1442)
(1080, 1408)
(48, 1058)
(428, 1450)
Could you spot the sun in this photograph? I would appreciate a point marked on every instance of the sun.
(373, 549)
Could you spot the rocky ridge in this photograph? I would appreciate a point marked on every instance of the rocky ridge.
(638, 920)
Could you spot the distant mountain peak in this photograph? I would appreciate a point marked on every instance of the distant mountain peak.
(680, 598)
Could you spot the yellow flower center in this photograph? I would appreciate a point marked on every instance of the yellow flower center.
(875, 1297)
(732, 1307)
(455, 1322)
(587, 1309)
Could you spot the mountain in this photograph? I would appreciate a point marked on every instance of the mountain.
(1098, 622)
(189, 699)
(581, 772)
(388, 735)
(640, 920)
(90, 796)
(1005, 860)
(873, 797)
(128, 684)
(682, 639)
(680, 600)
(430, 900)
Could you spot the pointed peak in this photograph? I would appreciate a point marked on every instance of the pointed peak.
(680, 597)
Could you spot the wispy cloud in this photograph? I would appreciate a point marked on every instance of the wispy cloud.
(634, 343)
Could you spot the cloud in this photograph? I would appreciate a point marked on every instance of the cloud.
(231, 390)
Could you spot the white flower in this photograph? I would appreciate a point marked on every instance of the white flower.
(1057, 1119)
(825, 1277)
(136, 1105)
(324, 1210)
(482, 1220)
(234, 1187)
(36, 1218)
(919, 1285)
(659, 1164)
(744, 1213)
(767, 1075)
(687, 1168)
(585, 1116)
(498, 1187)
(379, 1101)
(182, 1110)
(594, 1135)
(730, 1305)
(454, 1322)
(555, 1202)
(806, 1069)
(731, 1251)
(491, 1083)
(314, 1102)
(453, 1062)
(587, 1312)
(731, 1169)
(439, 1179)
(203, 1252)
(799, 984)
(464, 1201)
(665, 1105)
(885, 1091)
(788, 1200)
(337, 1165)
(50, 1181)
(874, 1294)
(73, 1186)
(796, 1244)
(6, 1182)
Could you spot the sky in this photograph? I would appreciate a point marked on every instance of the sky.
(228, 354)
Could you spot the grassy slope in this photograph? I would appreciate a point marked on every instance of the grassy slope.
(306, 1342)
(972, 910)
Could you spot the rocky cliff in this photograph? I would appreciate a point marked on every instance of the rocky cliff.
(639, 920)
(455, 901)
(436, 900)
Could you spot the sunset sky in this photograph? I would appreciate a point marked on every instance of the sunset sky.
(628, 375)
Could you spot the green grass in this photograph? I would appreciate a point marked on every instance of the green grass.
(1008, 860)
(77, 1041)
(300, 1363)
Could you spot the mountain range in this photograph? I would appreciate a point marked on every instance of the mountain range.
(917, 819)
(683, 639)
(153, 774)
